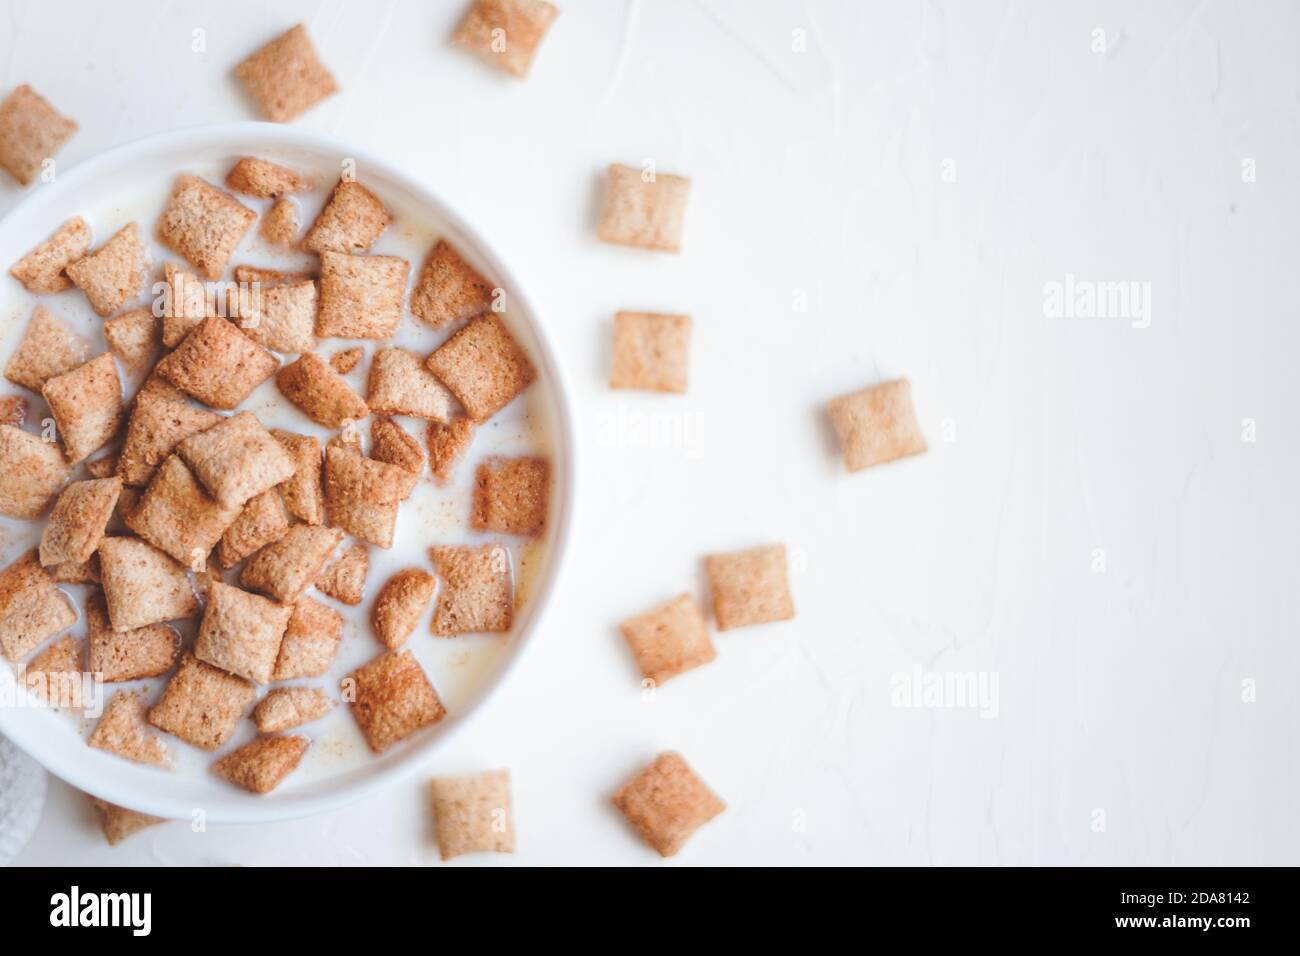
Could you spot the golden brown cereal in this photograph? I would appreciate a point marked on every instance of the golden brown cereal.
(47, 348)
(643, 208)
(877, 425)
(203, 224)
(287, 567)
(142, 585)
(134, 337)
(281, 316)
(280, 224)
(41, 271)
(87, 406)
(13, 410)
(476, 591)
(261, 765)
(218, 364)
(401, 601)
(247, 275)
(157, 425)
(650, 351)
(122, 730)
(31, 607)
(506, 33)
(362, 495)
(55, 676)
(511, 495)
(241, 632)
(749, 587)
(103, 467)
(346, 360)
(320, 392)
(202, 704)
(399, 384)
(351, 220)
(141, 652)
(666, 803)
(32, 471)
(78, 520)
(447, 443)
(391, 442)
(391, 699)
(449, 289)
(360, 296)
(287, 707)
(484, 367)
(118, 823)
(31, 132)
(310, 641)
(186, 303)
(286, 77)
(669, 640)
(263, 520)
(264, 179)
(113, 274)
(472, 814)
(302, 493)
(177, 516)
(76, 572)
(345, 579)
(236, 459)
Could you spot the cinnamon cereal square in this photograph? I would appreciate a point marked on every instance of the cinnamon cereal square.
(32, 470)
(186, 303)
(113, 274)
(399, 384)
(287, 707)
(320, 392)
(401, 601)
(362, 495)
(202, 704)
(280, 224)
(749, 587)
(55, 676)
(351, 220)
(122, 730)
(264, 179)
(643, 208)
(511, 495)
(41, 271)
(236, 459)
(472, 814)
(877, 425)
(260, 766)
(447, 444)
(506, 33)
(119, 823)
(666, 803)
(483, 366)
(345, 360)
(87, 406)
(285, 77)
(391, 699)
(263, 520)
(158, 423)
(448, 288)
(392, 443)
(177, 516)
(31, 607)
(48, 348)
(477, 590)
(13, 410)
(204, 224)
(302, 492)
(78, 520)
(31, 132)
(360, 296)
(142, 585)
(218, 364)
(669, 640)
(281, 317)
(311, 641)
(345, 579)
(287, 567)
(134, 337)
(241, 632)
(650, 351)
(141, 652)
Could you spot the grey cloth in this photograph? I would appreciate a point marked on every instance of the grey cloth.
(22, 797)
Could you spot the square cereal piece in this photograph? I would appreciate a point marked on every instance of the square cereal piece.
(236, 459)
(134, 337)
(142, 585)
(360, 296)
(264, 179)
(13, 410)
(346, 360)
(32, 470)
(666, 803)
(391, 442)
(119, 823)
(203, 224)
(141, 652)
(87, 406)
(241, 632)
(484, 367)
(113, 274)
(281, 317)
(749, 587)
(650, 351)
(260, 766)
(447, 443)
(286, 77)
(511, 495)
(218, 364)
(310, 641)
(202, 704)
(669, 640)
(643, 209)
(41, 270)
(263, 520)
(449, 289)
(506, 33)
(287, 567)
(177, 516)
(399, 384)
(351, 220)
(280, 223)
(320, 392)
(476, 594)
(345, 579)
(103, 467)
(247, 275)
(391, 699)
(31, 132)
(55, 676)
(158, 423)
(78, 520)
(401, 601)
(186, 303)
(302, 492)
(122, 730)
(47, 348)
(877, 425)
(362, 495)
(31, 607)
(472, 814)
(287, 707)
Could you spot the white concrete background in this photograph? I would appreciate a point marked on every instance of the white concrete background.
(821, 174)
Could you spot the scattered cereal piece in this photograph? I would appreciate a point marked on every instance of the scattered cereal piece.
(122, 730)
(449, 289)
(218, 364)
(320, 392)
(346, 360)
(476, 590)
(400, 603)
(141, 652)
(241, 632)
(286, 77)
(31, 607)
(447, 443)
(302, 492)
(643, 209)
(186, 303)
(669, 640)
(142, 585)
(483, 366)
(41, 270)
(177, 516)
(103, 467)
(78, 520)
(47, 348)
(118, 823)
(237, 458)
(157, 425)
(285, 568)
(134, 338)
(399, 384)
(511, 495)
(261, 765)
(32, 471)
(76, 572)
(362, 495)
(391, 699)
(472, 814)
(113, 274)
(280, 224)
(281, 317)
(650, 351)
(87, 406)
(263, 520)
(345, 579)
(202, 704)
(203, 224)
(506, 33)
(287, 707)
(13, 410)
(749, 587)
(247, 275)
(360, 296)
(31, 132)
(351, 220)
(310, 641)
(391, 442)
(264, 179)
(877, 425)
(54, 675)
(667, 802)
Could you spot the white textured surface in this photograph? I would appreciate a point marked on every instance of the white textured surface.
(821, 174)
(22, 797)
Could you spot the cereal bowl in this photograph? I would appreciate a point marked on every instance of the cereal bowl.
(132, 184)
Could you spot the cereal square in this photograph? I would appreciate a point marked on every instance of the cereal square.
(134, 337)
(345, 579)
(345, 360)
(281, 317)
(351, 220)
(669, 640)
(31, 132)
(55, 676)
(399, 384)
(202, 704)
(31, 607)
(483, 365)
(666, 803)
(302, 492)
(177, 516)
(310, 641)
(119, 823)
(247, 275)
(286, 77)
(749, 587)
(157, 425)
(142, 585)
(511, 495)
(391, 443)
(76, 572)
(449, 289)
(287, 707)
(280, 223)
(650, 351)
(263, 520)
(218, 364)
(87, 406)
(41, 271)
(360, 296)
(186, 303)
(472, 814)
(362, 495)
(643, 209)
(241, 632)
(264, 179)
(236, 459)
(32, 470)
(287, 567)
(13, 410)
(506, 33)
(47, 348)
(122, 730)
(320, 392)
(261, 765)
(203, 224)
(113, 274)
(391, 699)
(877, 425)
(141, 652)
(476, 594)
(401, 601)
(78, 520)
(447, 443)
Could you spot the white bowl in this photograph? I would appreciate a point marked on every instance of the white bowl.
(53, 738)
